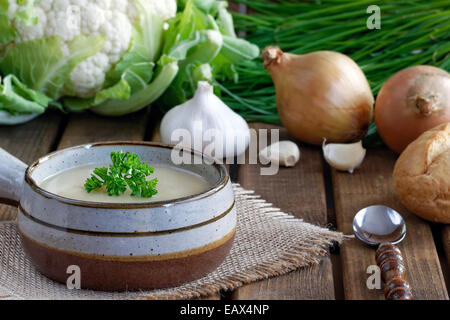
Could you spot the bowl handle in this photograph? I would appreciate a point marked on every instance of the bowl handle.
(12, 172)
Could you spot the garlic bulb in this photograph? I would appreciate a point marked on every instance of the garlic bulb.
(284, 153)
(344, 157)
(206, 124)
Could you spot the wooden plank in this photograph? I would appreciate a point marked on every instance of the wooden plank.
(446, 244)
(28, 142)
(212, 297)
(370, 185)
(304, 284)
(301, 192)
(156, 136)
(87, 127)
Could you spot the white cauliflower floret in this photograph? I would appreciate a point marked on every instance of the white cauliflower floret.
(119, 35)
(120, 5)
(68, 18)
(27, 33)
(46, 4)
(62, 23)
(89, 75)
(61, 5)
(93, 17)
(105, 4)
(165, 9)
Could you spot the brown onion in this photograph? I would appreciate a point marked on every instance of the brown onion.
(411, 102)
(320, 95)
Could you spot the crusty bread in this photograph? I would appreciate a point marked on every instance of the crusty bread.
(422, 175)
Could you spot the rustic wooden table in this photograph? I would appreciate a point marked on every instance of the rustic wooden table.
(311, 191)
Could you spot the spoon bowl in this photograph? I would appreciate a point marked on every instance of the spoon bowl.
(379, 224)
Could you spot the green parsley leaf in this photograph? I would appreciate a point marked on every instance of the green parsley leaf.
(126, 170)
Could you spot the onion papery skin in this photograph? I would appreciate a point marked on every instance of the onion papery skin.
(320, 95)
(411, 102)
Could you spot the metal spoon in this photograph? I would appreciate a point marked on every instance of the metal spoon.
(384, 227)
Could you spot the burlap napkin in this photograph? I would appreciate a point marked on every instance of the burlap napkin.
(268, 243)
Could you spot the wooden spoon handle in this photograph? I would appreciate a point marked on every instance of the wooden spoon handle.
(390, 260)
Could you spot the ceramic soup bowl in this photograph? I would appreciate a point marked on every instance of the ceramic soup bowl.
(120, 246)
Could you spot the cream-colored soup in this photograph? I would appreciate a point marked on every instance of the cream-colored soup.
(173, 183)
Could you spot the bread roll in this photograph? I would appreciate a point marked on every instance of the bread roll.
(422, 175)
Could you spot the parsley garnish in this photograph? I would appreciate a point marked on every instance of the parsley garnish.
(126, 170)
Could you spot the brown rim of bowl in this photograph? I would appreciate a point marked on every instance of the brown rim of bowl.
(224, 178)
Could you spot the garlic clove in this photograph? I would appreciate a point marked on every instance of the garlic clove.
(284, 153)
(344, 157)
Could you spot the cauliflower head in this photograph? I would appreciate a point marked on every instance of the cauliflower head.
(110, 21)
(112, 57)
